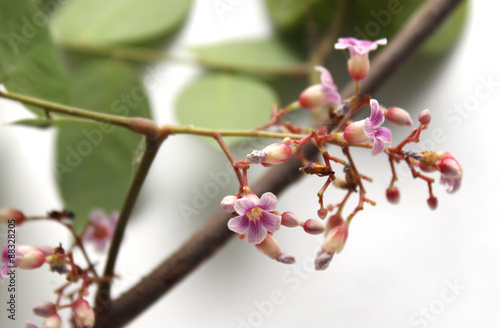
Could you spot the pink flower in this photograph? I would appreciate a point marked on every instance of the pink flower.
(101, 229)
(370, 129)
(451, 172)
(358, 64)
(255, 215)
(84, 315)
(320, 94)
(25, 257)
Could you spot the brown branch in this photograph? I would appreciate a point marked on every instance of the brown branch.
(215, 233)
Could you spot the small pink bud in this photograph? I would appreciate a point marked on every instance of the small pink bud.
(24, 256)
(287, 141)
(11, 216)
(276, 154)
(336, 239)
(270, 247)
(289, 219)
(54, 321)
(84, 315)
(322, 213)
(333, 221)
(449, 167)
(313, 97)
(313, 227)
(45, 309)
(432, 202)
(398, 116)
(358, 66)
(354, 133)
(425, 117)
(393, 195)
(227, 203)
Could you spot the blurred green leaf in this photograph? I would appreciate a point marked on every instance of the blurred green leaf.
(118, 21)
(29, 63)
(254, 56)
(224, 101)
(94, 161)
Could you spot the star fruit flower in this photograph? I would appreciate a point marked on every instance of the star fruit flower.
(320, 94)
(359, 63)
(370, 129)
(255, 216)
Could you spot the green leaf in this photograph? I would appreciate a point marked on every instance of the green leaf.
(118, 21)
(94, 161)
(256, 56)
(29, 63)
(225, 101)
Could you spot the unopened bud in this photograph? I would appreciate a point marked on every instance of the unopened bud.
(322, 213)
(449, 167)
(84, 315)
(276, 154)
(10, 215)
(398, 116)
(333, 221)
(270, 247)
(45, 309)
(313, 227)
(432, 202)
(393, 195)
(287, 141)
(289, 219)
(227, 203)
(425, 117)
(313, 97)
(358, 66)
(54, 321)
(25, 257)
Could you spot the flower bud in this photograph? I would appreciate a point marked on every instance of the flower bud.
(432, 202)
(322, 213)
(287, 141)
(398, 116)
(425, 117)
(313, 227)
(313, 97)
(54, 321)
(334, 243)
(84, 315)
(289, 219)
(333, 221)
(227, 203)
(392, 194)
(270, 247)
(25, 257)
(276, 154)
(449, 167)
(45, 309)
(354, 133)
(11, 215)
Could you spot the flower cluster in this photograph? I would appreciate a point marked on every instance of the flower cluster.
(257, 219)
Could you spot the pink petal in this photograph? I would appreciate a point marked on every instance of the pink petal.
(256, 233)
(377, 113)
(270, 221)
(344, 43)
(97, 216)
(378, 147)
(243, 206)
(238, 224)
(326, 77)
(384, 134)
(267, 201)
(368, 129)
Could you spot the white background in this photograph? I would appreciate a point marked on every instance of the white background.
(399, 260)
